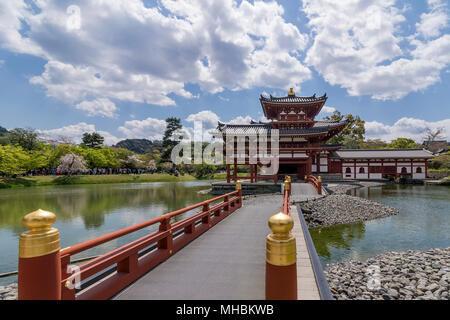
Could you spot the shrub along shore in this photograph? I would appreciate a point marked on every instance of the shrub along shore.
(99, 179)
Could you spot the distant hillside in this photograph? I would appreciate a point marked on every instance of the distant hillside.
(3, 131)
(140, 146)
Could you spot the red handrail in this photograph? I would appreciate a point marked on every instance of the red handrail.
(286, 197)
(139, 256)
(315, 182)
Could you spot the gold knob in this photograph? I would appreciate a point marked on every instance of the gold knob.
(40, 239)
(280, 245)
(287, 185)
(319, 179)
(281, 224)
(238, 185)
(39, 219)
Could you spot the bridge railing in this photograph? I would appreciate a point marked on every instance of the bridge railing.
(281, 254)
(48, 275)
(286, 196)
(316, 182)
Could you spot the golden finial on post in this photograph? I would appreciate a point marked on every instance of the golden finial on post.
(280, 244)
(238, 185)
(287, 184)
(291, 92)
(319, 179)
(40, 239)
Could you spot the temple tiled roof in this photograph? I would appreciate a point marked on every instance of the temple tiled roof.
(382, 153)
(261, 127)
(294, 99)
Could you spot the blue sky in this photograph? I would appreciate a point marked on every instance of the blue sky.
(121, 67)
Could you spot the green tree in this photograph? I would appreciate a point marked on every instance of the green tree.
(350, 142)
(354, 128)
(373, 144)
(3, 131)
(92, 140)
(12, 160)
(402, 143)
(169, 142)
(26, 138)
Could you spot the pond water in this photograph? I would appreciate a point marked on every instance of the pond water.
(84, 212)
(423, 223)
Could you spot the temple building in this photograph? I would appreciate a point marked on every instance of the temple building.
(303, 148)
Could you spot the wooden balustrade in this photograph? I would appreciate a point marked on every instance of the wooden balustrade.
(316, 182)
(107, 274)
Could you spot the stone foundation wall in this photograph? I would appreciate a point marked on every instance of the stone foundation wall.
(438, 174)
(219, 188)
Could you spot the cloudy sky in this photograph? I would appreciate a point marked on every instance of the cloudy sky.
(121, 67)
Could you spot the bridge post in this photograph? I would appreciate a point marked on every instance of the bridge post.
(239, 188)
(287, 184)
(281, 259)
(39, 276)
(319, 185)
(167, 242)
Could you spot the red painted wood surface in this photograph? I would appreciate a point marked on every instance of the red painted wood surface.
(315, 182)
(128, 263)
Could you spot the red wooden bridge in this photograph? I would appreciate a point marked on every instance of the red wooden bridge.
(181, 260)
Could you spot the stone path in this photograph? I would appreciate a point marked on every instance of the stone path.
(228, 261)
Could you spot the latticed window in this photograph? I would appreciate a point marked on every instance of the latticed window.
(419, 170)
(361, 170)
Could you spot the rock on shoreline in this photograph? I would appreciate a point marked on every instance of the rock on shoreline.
(410, 275)
(8, 292)
(340, 208)
(342, 188)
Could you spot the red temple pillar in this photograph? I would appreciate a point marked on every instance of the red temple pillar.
(235, 170)
(228, 173)
(318, 163)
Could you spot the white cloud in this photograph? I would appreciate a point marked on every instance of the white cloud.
(327, 109)
(357, 46)
(123, 50)
(241, 120)
(99, 107)
(208, 118)
(433, 22)
(75, 133)
(150, 128)
(405, 128)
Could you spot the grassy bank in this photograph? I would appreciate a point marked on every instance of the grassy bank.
(87, 179)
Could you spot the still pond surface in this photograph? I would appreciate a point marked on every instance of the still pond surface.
(84, 212)
(423, 223)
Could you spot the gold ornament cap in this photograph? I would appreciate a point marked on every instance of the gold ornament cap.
(291, 92)
(281, 245)
(238, 185)
(40, 239)
(287, 185)
(319, 179)
(281, 224)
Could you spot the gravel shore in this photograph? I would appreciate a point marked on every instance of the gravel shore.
(8, 292)
(340, 208)
(342, 188)
(410, 275)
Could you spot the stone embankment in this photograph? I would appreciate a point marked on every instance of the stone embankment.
(410, 275)
(342, 188)
(8, 292)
